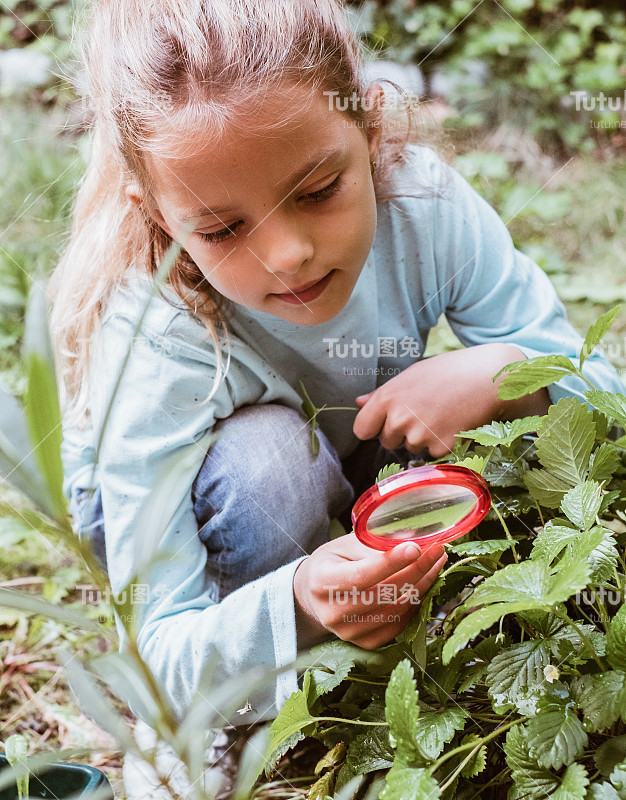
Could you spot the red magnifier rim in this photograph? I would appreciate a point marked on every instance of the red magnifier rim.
(428, 475)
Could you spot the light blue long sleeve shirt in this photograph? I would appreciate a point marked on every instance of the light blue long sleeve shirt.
(443, 252)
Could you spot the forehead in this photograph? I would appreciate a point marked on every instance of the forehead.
(265, 147)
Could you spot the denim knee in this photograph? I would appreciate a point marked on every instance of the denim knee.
(261, 498)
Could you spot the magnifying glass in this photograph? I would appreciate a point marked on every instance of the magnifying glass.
(433, 504)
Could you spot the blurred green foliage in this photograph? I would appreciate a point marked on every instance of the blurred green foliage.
(532, 54)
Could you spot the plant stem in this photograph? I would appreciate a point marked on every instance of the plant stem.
(474, 747)
(350, 721)
(507, 532)
(583, 637)
(362, 680)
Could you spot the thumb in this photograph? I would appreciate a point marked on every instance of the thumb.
(362, 399)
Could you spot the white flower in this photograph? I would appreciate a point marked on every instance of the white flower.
(551, 672)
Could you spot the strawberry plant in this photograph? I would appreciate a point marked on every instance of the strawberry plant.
(510, 680)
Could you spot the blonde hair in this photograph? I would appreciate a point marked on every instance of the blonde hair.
(185, 62)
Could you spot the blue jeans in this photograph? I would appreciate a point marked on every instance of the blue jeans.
(261, 498)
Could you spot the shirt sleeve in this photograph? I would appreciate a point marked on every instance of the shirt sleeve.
(157, 427)
(494, 293)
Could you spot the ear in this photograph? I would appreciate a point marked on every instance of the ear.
(135, 195)
(374, 98)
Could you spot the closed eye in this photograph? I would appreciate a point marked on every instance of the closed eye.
(325, 193)
(313, 197)
(222, 235)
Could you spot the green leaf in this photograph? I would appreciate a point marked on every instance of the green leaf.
(597, 331)
(604, 462)
(517, 670)
(478, 761)
(502, 433)
(529, 778)
(582, 503)
(565, 441)
(573, 784)
(616, 640)
(526, 586)
(526, 377)
(338, 658)
(43, 413)
(596, 546)
(481, 548)
(16, 751)
(613, 404)
(387, 471)
(601, 698)
(436, 728)
(402, 712)
(17, 461)
(406, 783)
(286, 729)
(556, 737)
(477, 463)
(547, 490)
(370, 751)
(609, 755)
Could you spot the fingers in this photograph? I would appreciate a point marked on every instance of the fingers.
(374, 569)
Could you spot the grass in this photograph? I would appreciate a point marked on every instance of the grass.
(576, 232)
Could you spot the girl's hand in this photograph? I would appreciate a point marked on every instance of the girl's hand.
(336, 590)
(431, 401)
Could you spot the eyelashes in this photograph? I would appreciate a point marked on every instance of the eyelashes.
(314, 197)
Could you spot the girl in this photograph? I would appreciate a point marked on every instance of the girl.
(318, 246)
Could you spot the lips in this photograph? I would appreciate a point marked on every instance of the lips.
(306, 292)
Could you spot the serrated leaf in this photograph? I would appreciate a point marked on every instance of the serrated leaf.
(610, 755)
(613, 404)
(436, 728)
(387, 471)
(601, 698)
(604, 462)
(547, 489)
(482, 548)
(370, 751)
(529, 778)
(596, 546)
(518, 668)
(333, 757)
(402, 711)
(406, 783)
(573, 784)
(604, 791)
(556, 738)
(526, 377)
(596, 332)
(502, 433)
(526, 586)
(477, 463)
(286, 729)
(338, 657)
(322, 788)
(478, 761)
(582, 503)
(616, 640)
(566, 438)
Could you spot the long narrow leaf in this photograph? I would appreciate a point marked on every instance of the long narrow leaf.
(43, 414)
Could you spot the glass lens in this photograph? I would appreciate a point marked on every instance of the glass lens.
(421, 510)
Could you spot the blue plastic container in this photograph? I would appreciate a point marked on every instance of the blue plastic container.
(61, 780)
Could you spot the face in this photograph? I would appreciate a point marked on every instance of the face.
(281, 221)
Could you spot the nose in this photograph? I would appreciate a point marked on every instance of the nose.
(285, 245)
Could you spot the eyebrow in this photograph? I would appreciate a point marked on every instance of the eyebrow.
(295, 177)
